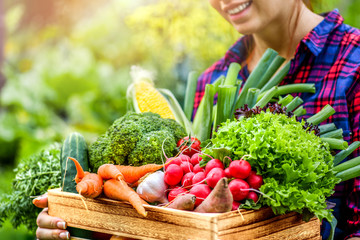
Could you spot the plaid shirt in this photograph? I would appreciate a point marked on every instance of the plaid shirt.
(329, 57)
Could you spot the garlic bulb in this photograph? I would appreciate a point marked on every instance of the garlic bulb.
(153, 188)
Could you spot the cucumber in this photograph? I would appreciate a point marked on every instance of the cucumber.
(74, 146)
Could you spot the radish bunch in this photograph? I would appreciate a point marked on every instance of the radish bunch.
(183, 174)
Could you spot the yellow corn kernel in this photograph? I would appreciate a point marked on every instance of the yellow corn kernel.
(149, 99)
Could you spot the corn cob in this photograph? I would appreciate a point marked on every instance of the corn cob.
(146, 98)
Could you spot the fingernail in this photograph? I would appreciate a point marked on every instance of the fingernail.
(64, 235)
(61, 225)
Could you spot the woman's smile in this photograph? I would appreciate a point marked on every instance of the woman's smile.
(235, 11)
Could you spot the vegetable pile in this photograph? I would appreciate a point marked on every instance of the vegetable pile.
(295, 164)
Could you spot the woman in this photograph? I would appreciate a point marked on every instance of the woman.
(323, 51)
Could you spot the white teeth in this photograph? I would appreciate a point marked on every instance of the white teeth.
(238, 8)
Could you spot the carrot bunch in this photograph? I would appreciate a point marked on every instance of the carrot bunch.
(117, 180)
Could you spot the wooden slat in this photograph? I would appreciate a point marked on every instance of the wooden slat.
(120, 218)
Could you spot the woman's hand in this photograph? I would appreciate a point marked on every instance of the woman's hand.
(49, 227)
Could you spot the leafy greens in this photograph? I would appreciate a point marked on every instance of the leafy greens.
(295, 164)
(34, 176)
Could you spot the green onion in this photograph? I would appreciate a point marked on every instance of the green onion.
(225, 100)
(297, 101)
(251, 97)
(300, 111)
(203, 118)
(190, 94)
(267, 97)
(327, 128)
(321, 116)
(255, 75)
(334, 143)
(232, 74)
(348, 164)
(274, 66)
(344, 153)
(338, 133)
(293, 88)
(277, 78)
(283, 101)
(178, 111)
(349, 173)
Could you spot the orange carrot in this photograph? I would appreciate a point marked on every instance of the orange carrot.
(133, 174)
(110, 171)
(88, 184)
(80, 172)
(119, 190)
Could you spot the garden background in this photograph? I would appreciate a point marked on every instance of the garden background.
(65, 65)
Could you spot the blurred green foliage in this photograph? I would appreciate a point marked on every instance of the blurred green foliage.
(67, 62)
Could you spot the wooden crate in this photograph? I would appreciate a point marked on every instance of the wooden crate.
(119, 218)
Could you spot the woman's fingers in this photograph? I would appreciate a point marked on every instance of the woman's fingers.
(43, 233)
(44, 220)
(41, 201)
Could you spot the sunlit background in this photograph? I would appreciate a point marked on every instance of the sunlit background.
(65, 64)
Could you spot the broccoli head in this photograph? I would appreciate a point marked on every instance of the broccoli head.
(136, 139)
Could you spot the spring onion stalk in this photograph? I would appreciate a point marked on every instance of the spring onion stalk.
(238, 86)
(322, 115)
(327, 128)
(274, 66)
(292, 88)
(255, 75)
(283, 101)
(190, 94)
(349, 173)
(344, 153)
(219, 81)
(338, 133)
(334, 143)
(348, 164)
(177, 110)
(300, 111)
(267, 97)
(251, 97)
(203, 118)
(277, 78)
(297, 101)
(232, 74)
(226, 97)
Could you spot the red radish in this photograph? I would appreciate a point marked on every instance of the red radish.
(175, 192)
(174, 160)
(197, 168)
(201, 191)
(213, 163)
(240, 169)
(255, 181)
(184, 158)
(186, 167)
(189, 146)
(195, 159)
(186, 181)
(214, 176)
(239, 189)
(198, 177)
(173, 174)
(227, 173)
(253, 196)
(235, 205)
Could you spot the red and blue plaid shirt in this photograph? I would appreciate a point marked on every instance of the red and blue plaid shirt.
(329, 57)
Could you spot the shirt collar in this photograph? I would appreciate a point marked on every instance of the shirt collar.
(315, 40)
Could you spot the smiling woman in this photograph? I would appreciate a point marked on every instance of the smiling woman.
(321, 50)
